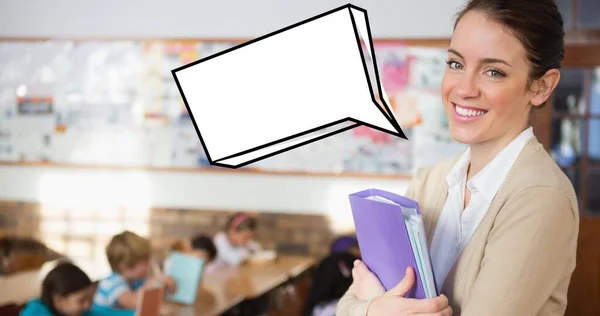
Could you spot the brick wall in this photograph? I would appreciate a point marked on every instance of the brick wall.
(84, 233)
(19, 219)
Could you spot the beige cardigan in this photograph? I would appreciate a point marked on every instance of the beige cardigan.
(520, 259)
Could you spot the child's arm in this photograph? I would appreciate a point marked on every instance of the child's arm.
(254, 246)
(128, 299)
(114, 293)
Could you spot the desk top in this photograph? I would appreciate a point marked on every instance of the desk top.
(220, 290)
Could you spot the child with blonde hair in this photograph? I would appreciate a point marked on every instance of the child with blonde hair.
(129, 256)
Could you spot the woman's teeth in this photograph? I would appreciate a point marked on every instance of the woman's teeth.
(466, 112)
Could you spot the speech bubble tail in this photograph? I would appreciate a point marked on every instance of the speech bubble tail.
(363, 37)
(398, 132)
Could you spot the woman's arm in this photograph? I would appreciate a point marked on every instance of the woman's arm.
(350, 305)
(529, 251)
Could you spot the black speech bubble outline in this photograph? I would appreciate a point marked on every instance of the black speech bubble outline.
(358, 123)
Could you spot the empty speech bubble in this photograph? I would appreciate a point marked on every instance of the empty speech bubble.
(286, 89)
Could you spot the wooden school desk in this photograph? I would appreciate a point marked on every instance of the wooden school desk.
(227, 287)
(220, 290)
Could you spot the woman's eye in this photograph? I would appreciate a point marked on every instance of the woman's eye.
(454, 65)
(495, 73)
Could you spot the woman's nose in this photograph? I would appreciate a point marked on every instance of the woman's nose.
(467, 87)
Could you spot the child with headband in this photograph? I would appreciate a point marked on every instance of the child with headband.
(236, 244)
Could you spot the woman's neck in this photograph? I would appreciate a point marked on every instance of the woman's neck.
(483, 153)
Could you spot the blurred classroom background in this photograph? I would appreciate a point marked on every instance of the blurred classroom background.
(94, 137)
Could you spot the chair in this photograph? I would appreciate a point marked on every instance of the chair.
(11, 309)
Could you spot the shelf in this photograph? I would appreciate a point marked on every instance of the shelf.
(247, 171)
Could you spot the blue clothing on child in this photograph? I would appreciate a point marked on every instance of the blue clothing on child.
(110, 288)
(35, 307)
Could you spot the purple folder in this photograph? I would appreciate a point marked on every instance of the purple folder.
(383, 238)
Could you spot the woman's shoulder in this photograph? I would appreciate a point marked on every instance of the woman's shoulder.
(535, 170)
(538, 189)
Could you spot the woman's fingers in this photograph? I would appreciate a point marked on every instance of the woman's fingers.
(429, 306)
(446, 312)
(367, 285)
(405, 284)
(355, 276)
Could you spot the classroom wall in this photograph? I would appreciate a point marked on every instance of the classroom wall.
(78, 188)
(211, 19)
(201, 19)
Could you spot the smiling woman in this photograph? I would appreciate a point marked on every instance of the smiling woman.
(502, 218)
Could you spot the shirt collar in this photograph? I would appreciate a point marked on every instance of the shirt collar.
(459, 171)
(489, 180)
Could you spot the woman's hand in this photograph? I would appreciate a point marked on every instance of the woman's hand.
(366, 284)
(393, 302)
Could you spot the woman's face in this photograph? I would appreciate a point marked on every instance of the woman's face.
(484, 89)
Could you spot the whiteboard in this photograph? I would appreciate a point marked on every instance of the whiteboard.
(115, 103)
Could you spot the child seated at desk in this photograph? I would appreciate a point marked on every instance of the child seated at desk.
(331, 280)
(66, 290)
(200, 246)
(236, 244)
(129, 256)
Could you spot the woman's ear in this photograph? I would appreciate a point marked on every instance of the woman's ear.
(543, 87)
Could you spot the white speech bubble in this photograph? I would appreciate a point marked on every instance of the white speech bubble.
(286, 89)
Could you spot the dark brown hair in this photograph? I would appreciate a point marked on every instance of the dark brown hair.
(64, 279)
(537, 24)
(203, 242)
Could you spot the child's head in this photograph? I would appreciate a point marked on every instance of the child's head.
(204, 248)
(67, 290)
(129, 255)
(331, 280)
(240, 229)
(347, 244)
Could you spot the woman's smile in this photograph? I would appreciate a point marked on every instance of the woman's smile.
(467, 114)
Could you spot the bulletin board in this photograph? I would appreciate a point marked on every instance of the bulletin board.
(114, 103)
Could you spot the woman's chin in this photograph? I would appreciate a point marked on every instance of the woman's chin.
(464, 136)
